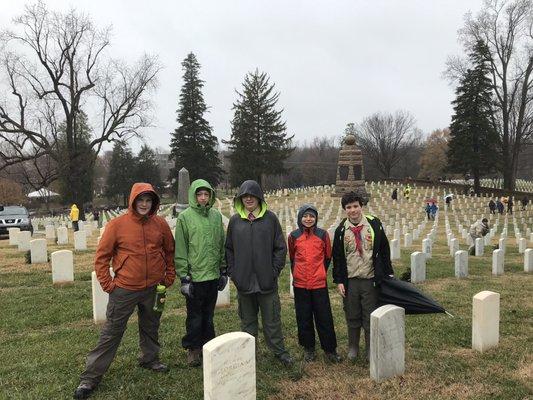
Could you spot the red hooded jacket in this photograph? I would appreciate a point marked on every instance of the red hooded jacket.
(139, 248)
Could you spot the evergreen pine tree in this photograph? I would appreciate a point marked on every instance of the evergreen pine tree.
(147, 169)
(193, 145)
(474, 143)
(76, 184)
(259, 142)
(120, 177)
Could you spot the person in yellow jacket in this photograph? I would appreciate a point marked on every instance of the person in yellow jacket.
(74, 216)
(407, 191)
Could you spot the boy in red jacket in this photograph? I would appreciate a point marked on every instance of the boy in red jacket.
(310, 255)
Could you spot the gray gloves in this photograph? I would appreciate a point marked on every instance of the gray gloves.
(187, 288)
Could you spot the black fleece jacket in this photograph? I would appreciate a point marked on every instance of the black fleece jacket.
(380, 253)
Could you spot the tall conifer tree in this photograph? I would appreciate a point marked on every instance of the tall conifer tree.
(120, 177)
(259, 141)
(474, 144)
(146, 168)
(193, 145)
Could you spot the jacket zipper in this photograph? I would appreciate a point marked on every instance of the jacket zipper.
(145, 259)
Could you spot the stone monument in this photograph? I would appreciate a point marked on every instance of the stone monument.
(183, 190)
(350, 174)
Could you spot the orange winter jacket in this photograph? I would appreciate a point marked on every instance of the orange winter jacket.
(139, 248)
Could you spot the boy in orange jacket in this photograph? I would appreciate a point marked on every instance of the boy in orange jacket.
(310, 255)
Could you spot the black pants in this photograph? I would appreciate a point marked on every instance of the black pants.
(314, 305)
(75, 226)
(200, 310)
(121, 305)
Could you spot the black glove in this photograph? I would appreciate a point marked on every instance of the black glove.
(187, 288)
(223, 280)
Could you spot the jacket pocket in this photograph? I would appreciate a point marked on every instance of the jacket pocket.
(119, 263)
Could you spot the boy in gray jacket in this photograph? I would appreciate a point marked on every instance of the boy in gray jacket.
(255, 256)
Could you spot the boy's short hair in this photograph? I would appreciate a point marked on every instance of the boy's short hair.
(484, 220)
(351, 197)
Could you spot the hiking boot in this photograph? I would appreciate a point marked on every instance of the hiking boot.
(333, 357)
(84, 390)
(353, 343)
(193, 357)
(286, 359)
(309, 355)
(156, 366)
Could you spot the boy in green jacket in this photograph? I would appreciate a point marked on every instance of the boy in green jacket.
(199, 259)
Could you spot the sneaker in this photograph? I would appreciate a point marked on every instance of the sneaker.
(156, 366)
(193, 357)
(333, 357)
(286, 359)
(309, 355)
(84, 390)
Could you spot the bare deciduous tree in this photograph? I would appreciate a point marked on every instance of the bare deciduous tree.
(55, 65)
(383, 137)
(506, 27)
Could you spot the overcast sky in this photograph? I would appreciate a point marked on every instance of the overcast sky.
(334, 62)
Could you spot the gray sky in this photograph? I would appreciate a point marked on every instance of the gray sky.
(334, 62)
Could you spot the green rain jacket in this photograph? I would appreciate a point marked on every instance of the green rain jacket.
(199, 238)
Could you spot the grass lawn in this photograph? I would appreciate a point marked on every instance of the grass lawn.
(46, 332)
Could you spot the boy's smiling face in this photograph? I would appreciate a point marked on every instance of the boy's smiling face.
(308, 219)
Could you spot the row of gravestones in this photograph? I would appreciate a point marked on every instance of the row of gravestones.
(229, 365)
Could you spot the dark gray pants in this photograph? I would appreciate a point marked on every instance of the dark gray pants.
(121, 305)
(360, 301)
(269, 304)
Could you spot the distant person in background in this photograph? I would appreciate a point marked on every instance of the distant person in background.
(433, 210)
(395, 194)
(407, 191)
(477, 230)
(428, 210)
(492, 206)
(74, 217)
(448, 200)
(525, 202)
(96, 216)
(499, 206)
(510, 205)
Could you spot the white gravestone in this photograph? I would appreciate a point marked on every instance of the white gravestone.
(497, 262)
(522, 244)
(100, 299)
(426, 247)
(528, 260)
(418, 267)
(461, 264)
(408, 240)
(13, 236)
(229, 367)
(88, 230)
(80, 240)
(62, 266)
(62, 235)
(223, 297)
(395, 249)
(485, 320)
(454, 246)
(24, 238)
(38, 251)
(50, 231)
(387, 342)
(501, 244)
(479, 247)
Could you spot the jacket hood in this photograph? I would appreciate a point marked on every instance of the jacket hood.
(74, 206)
(301, 212)
(136, 190)
(253, 188)
(195, 185)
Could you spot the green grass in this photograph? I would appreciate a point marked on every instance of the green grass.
(46, 332)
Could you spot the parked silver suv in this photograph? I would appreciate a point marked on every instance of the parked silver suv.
(14, 217)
